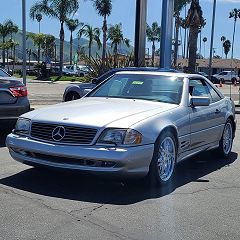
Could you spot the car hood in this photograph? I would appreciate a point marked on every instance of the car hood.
(100, 112)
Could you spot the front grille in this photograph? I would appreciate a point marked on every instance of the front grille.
(73, 135)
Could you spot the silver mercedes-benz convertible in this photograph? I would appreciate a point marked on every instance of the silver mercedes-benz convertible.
(133, 124)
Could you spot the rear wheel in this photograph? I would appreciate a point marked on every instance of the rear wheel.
(225, 144)
(234, 80)
(222, 80)
(162, 167)
(72, 96)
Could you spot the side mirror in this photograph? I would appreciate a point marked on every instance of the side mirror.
(199, 101)
(86, 91)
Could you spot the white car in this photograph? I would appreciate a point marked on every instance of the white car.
(227, 76)
(134, 124)
(79, 70)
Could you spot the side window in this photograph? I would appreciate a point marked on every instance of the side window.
(198, 88)
(214, 94)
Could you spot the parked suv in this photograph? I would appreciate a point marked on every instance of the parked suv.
(227, 76)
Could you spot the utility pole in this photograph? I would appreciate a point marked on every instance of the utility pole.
(24, 62)
(140, 33)
(166, 28)
(212, 37)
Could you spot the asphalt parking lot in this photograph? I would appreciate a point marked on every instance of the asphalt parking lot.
(202, 203)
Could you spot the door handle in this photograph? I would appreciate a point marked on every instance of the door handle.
(217, 111)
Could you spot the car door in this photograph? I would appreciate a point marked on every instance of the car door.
(218, 104)
(203, 119)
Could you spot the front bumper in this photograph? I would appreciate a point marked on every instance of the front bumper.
(109, 161)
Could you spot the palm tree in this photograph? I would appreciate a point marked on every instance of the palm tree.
(38, 40)
(13, 30)
(153, 35)
(72, 25)
(59, 9)
(39, 19)
(235, 14)
(13, 45)
(227, 47)
(183, 25)
(49, 45)
(104, 9)
(6, 46)
(204, 42)
(194, 22)
(92, 34)
(80, 50)
(223, 39)
(6, 29)
(178, 6)
(115, 35)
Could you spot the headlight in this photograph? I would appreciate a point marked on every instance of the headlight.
(22, 126)
(120, 137)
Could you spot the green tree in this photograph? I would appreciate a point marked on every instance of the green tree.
(115, 35)
(178, 6)
(6, 29)
(153, 35)
(13, 45)
(59, 9)
(227, 47)
(72, 25)
(104, 9)
(49, 45)
(235, 14)
(92, 34)
(38, 40)
(194, 22)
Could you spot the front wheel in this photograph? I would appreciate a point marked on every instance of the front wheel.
(163, 163)
(72, 96)
(225, 144)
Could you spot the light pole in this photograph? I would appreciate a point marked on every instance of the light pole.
(24, 63)
(166, 28)
(140, 32)
(212, 37)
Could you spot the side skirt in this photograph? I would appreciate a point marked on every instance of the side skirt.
(192, 152)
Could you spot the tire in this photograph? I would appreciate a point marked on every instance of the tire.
(162, 167)
(233, 80)
(72, 96)
(223, 81)
(225, 144)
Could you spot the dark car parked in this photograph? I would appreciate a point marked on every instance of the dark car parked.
(76, 91)
(13, 101)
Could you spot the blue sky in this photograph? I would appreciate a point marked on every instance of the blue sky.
(124, 11)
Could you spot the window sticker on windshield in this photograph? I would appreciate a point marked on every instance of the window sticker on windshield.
(137, 82)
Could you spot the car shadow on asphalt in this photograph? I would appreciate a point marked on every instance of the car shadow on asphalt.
(78, 187)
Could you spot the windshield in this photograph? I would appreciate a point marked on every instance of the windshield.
(142, 86)
(3, 73)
